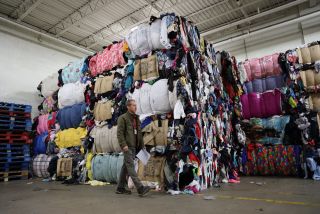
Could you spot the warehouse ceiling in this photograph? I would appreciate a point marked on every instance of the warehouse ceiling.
(92, 24)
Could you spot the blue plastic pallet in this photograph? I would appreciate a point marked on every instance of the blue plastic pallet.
(14, 126)
(15, 107)
(5, 167)
(14, 153)
(15, 159)
(25, 122)
(18, 119)
(14, 147)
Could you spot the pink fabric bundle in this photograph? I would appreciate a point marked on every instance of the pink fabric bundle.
(266, 63)
(246, 65)
(42, 123)
(93, 65)
(259, 68)
(255, 68)
(109, 58)
(245, 106)
(261, 105)
(276, 65)
(46, 122)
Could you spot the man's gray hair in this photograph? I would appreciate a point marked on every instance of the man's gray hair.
(129, 101)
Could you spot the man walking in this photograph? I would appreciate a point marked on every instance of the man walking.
(130, 140)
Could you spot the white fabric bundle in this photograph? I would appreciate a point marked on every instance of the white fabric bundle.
(139, 40)
(159, 97)
(49, 85)
(70, 94)
(105, 139)
(155, 29)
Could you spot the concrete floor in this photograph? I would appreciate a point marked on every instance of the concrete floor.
(272, 195)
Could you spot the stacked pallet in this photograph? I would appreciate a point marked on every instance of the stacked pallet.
(15, 127)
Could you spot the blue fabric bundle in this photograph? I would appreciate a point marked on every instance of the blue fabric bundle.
(71, 116)
(107, 167)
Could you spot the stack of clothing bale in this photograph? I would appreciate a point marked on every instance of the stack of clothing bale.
(57, 147)
(264, 123)
(15, 128)
(106, 103)
(302, 66)
(188, 102)
(282, 145)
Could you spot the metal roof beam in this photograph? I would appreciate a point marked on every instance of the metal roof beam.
(229, 11)
(250, 18)
(125, 23)
(25, 8)
(207, 8)
(169, 9)
(153, 5)
(86, 10)
(313, 3)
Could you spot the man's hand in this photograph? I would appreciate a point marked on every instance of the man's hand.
(125, 149)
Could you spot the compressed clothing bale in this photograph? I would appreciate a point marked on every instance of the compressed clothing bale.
(310, 79)
(64, 167)
(42, 124)
(49, 85)
(103, 111)
(103, 84)
(314, 52)
(40, 165)
(262, 105)
(46, 122)
(70, 94)
(155, 29)
(258, 68)
(146, 69)
(70, 137)
(71, 116)
(74, 71)
(39, 144)
(107, 167)
(106, 60)
(153, 171)
(105, 139)
(139, 40)
(314, 102)
(262, 85)
(255, 68)
(155, 133)
(159, 97)
(308, 55)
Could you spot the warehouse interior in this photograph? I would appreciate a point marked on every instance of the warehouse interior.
(227, 95)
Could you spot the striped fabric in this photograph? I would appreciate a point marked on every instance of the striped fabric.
(40, 165)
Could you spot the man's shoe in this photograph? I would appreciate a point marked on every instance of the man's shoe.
(123, 191)
(142, 191)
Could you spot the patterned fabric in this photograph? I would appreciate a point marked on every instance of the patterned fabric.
(111, 57)
(74, 71)
(48, 105)
(40, 165)
(266, 66)
(271, 160)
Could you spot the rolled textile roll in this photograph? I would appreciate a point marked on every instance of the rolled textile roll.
(107, 167)
(40, 165)
(105, 139)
